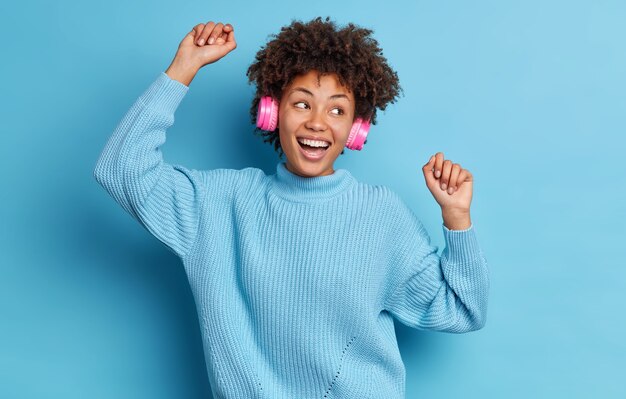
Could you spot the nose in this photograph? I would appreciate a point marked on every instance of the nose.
(316, 122)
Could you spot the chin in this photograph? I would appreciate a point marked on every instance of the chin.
(307, 169)
(310, 170)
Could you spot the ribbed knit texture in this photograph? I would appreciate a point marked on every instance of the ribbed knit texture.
(296, 280)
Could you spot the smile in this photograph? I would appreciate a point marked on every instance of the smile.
(311, 151)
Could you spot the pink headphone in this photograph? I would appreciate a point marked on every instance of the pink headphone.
(267, 119)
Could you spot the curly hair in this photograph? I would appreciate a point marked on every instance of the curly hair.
(349, 52)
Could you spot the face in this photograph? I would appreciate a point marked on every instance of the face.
(315, 110)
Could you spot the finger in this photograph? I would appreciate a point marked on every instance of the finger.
(464, 177)
(445, 174)
(438, 164)
(230, 39)
(467, 176)
(204, 32)
(461, 178)
(217, 31)
(196, 31)
(431, 163)
(427, 169)
(208, 28)
(223, 36)
(454, 175)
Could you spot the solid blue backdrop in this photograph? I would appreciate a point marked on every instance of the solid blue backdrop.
(528, 96)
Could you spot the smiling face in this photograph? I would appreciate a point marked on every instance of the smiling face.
(319, 111)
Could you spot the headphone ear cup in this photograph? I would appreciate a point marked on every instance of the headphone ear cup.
(358, 134)
(267, 114)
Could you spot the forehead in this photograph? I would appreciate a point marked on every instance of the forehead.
(316, 81)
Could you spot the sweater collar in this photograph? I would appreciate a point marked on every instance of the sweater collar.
(305, 189)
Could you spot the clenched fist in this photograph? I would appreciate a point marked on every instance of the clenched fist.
(449, 183)
(205, 44)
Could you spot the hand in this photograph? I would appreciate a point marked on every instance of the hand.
(205, 44)
(450, 184)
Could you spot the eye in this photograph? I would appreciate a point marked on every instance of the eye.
(304, 105)
(300, 102)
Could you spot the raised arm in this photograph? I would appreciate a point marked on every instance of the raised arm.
(165, 198)
(431, 292)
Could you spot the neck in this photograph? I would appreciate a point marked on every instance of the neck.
(292, 170)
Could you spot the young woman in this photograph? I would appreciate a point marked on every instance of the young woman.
(297, 276)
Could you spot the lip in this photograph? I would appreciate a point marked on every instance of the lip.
(309, 156)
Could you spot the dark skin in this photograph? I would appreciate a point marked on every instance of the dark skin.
(205, 44)
(448, 182)
(452, 187)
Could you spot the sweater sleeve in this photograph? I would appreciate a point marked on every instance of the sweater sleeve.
(431, 292)
(164, 198)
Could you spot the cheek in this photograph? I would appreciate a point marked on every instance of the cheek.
(287, 122)
(287, 129)
(342, 130)
(284, 140)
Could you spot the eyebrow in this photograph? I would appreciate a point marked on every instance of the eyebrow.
(302, 89)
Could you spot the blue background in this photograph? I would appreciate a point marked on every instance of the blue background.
(527, 95)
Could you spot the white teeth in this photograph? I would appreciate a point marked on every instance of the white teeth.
(313, 143)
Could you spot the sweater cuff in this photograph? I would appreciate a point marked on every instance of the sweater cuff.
(461, 245)
(164, 94)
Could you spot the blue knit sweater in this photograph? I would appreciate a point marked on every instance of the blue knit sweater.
(296, 280)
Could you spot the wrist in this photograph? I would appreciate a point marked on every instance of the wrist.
(456, 219)
(184, 72)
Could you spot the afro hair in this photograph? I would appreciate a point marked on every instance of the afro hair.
(349, 52)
